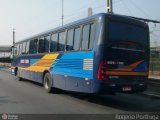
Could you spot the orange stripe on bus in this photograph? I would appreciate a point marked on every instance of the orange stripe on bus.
(130, 67)
(126, 73)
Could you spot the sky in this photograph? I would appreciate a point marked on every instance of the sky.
(30, 17)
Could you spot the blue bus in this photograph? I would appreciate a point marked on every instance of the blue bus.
(104, 53)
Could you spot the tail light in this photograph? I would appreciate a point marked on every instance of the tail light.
(102, 71)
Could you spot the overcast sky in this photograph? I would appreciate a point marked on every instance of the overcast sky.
(30, 17)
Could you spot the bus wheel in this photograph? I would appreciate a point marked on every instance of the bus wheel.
(19, 79)
(17, 75)
(48, 83)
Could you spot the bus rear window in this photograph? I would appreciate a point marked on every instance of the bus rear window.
(127, 32)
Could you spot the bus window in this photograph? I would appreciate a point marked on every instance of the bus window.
(33, 46)
(85, 38)
(61, 43)
(41, 45)
(23, 48)
(53, 43)
(77, 38)
(70, 36)
(123, 32)
(17, 49)
(92, 34)
(20, 49)
(46, 43)
(27, 47)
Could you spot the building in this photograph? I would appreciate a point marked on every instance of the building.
(5, 51)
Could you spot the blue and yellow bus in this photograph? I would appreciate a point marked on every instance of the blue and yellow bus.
(103, 53)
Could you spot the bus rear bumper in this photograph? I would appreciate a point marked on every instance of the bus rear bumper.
(123, 88)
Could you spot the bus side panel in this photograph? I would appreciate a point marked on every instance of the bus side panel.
(75, 70)
(24, 62)
(78, 84)
(59, 81)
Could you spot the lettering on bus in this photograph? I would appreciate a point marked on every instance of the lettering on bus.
(24, 61)
(115, 63)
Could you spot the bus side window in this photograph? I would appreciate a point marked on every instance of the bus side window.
(46, 43)
(33, 46)
(61, 43)
(17, 49)
(41, 48)
(92, 36)
(53, 43)
(70, 36)
(77, 38)
(27, 47)
(23, 48)
(20, 49)
(85, 37)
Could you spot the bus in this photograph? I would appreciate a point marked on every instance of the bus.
(103, 53)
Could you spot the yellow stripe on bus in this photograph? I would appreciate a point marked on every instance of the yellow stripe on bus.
(50, 56)
(43, 64)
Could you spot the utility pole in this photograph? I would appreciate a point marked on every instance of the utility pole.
(13, 36)
(12, 48)
(90, 12)
(109, 6)
(62, 13)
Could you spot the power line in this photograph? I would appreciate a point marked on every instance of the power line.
(115, 2)
(81, 8)
(95, 1)
(145, 20)
(140, 9)
(99, 7)
(126, 7)
(78, 10)
(62, 13)
(73, 17)
(75, 13)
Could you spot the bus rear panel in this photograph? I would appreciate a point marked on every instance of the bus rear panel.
(124, 60)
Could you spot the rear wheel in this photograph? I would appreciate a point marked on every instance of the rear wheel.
(48, 83)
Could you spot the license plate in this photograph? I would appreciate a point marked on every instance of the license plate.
(127, 89)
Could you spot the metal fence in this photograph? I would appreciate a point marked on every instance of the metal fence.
(155, 64)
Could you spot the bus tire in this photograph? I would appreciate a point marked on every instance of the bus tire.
(17, 75)
(19, 79)
(48, 83)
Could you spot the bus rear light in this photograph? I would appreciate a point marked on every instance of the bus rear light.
(102, 71)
